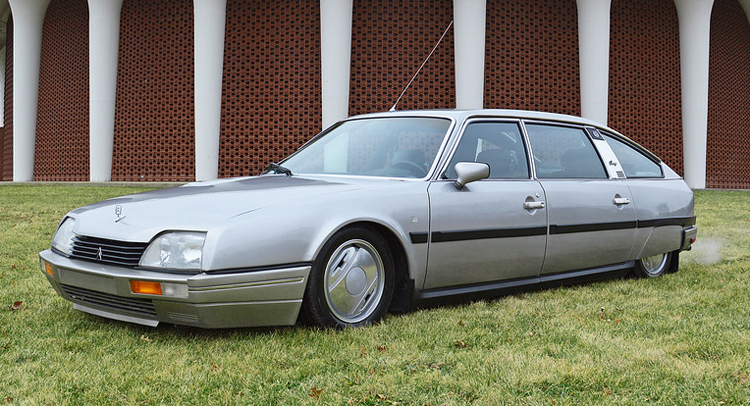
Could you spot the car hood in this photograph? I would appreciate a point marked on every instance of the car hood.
(196, 206)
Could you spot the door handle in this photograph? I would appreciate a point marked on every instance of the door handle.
(533, 205)
(619, 201)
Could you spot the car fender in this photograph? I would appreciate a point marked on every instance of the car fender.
(295, 232)
(664, 208)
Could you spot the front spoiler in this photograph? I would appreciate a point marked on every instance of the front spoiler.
(230, 299)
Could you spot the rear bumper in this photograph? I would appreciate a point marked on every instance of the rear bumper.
(238, 299)
(688, 237)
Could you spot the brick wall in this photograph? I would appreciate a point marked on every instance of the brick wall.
(154, 116)
(531, 57)
(271, 89)
(389, 43)
(728, 152)
(644, 76)
(271, 101)
(62, 127)
(6, 137)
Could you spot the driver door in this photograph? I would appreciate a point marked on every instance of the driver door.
(493, 229)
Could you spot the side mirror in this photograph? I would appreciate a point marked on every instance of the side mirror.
(467, 172)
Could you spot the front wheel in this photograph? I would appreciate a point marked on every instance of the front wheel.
(656, 265)
(351, 282)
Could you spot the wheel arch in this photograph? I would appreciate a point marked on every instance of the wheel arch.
(404, 284)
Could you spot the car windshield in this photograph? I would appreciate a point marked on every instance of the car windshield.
(397, 147)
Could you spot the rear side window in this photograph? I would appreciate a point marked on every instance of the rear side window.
(634, 163)
(497, 144)
(564, 152)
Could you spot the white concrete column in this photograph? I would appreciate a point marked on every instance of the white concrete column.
(695, 32)
(335, 58)
(746, 6)
(593, 53)
(28, 18)
(469, 18)
(104, 37)
(210, 20)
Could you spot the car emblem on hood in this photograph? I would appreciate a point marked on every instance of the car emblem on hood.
(118, 213)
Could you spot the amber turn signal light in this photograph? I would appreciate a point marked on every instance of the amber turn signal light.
(48, 268)
(145, 287)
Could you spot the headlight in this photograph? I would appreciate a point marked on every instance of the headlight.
(177, 250)
(63, 239)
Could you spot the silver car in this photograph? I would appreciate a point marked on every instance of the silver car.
(381, 212)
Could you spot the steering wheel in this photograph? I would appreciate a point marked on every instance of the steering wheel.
(412, 167)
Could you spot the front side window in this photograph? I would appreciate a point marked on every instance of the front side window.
(399, 147)
(634, 163)
(564, 152)
(497, 144)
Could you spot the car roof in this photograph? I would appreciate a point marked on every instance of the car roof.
(461, 115)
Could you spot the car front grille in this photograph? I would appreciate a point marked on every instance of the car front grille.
(142, 307)
(112, 252)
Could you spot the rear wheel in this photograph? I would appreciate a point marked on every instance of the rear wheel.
(656, 265)
(351, 282)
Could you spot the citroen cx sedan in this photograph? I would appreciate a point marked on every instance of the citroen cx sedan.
(381, 212)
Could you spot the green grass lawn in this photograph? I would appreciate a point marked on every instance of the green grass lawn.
(683, 339)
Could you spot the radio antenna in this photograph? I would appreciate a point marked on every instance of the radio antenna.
(422, 66)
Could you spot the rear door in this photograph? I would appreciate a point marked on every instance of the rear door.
(592, 218)
(493, 229)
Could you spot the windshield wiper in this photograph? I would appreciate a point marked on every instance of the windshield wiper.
(273, 167)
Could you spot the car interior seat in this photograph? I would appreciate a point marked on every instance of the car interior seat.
(581, 163)
(503, 163)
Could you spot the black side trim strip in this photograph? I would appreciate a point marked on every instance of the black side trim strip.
(259, 268)
(466, 235)
(675, 221)
(418, 238)
(583, 228)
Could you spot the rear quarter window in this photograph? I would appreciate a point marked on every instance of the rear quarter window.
(634, 162)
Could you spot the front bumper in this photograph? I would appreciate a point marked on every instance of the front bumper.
(238, 299)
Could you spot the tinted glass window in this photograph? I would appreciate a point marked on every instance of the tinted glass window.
(401, 147)
(499, 145)
(634, 163)
(564, 152)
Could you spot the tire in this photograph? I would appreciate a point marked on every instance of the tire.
(351, 282)
(656, 265)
